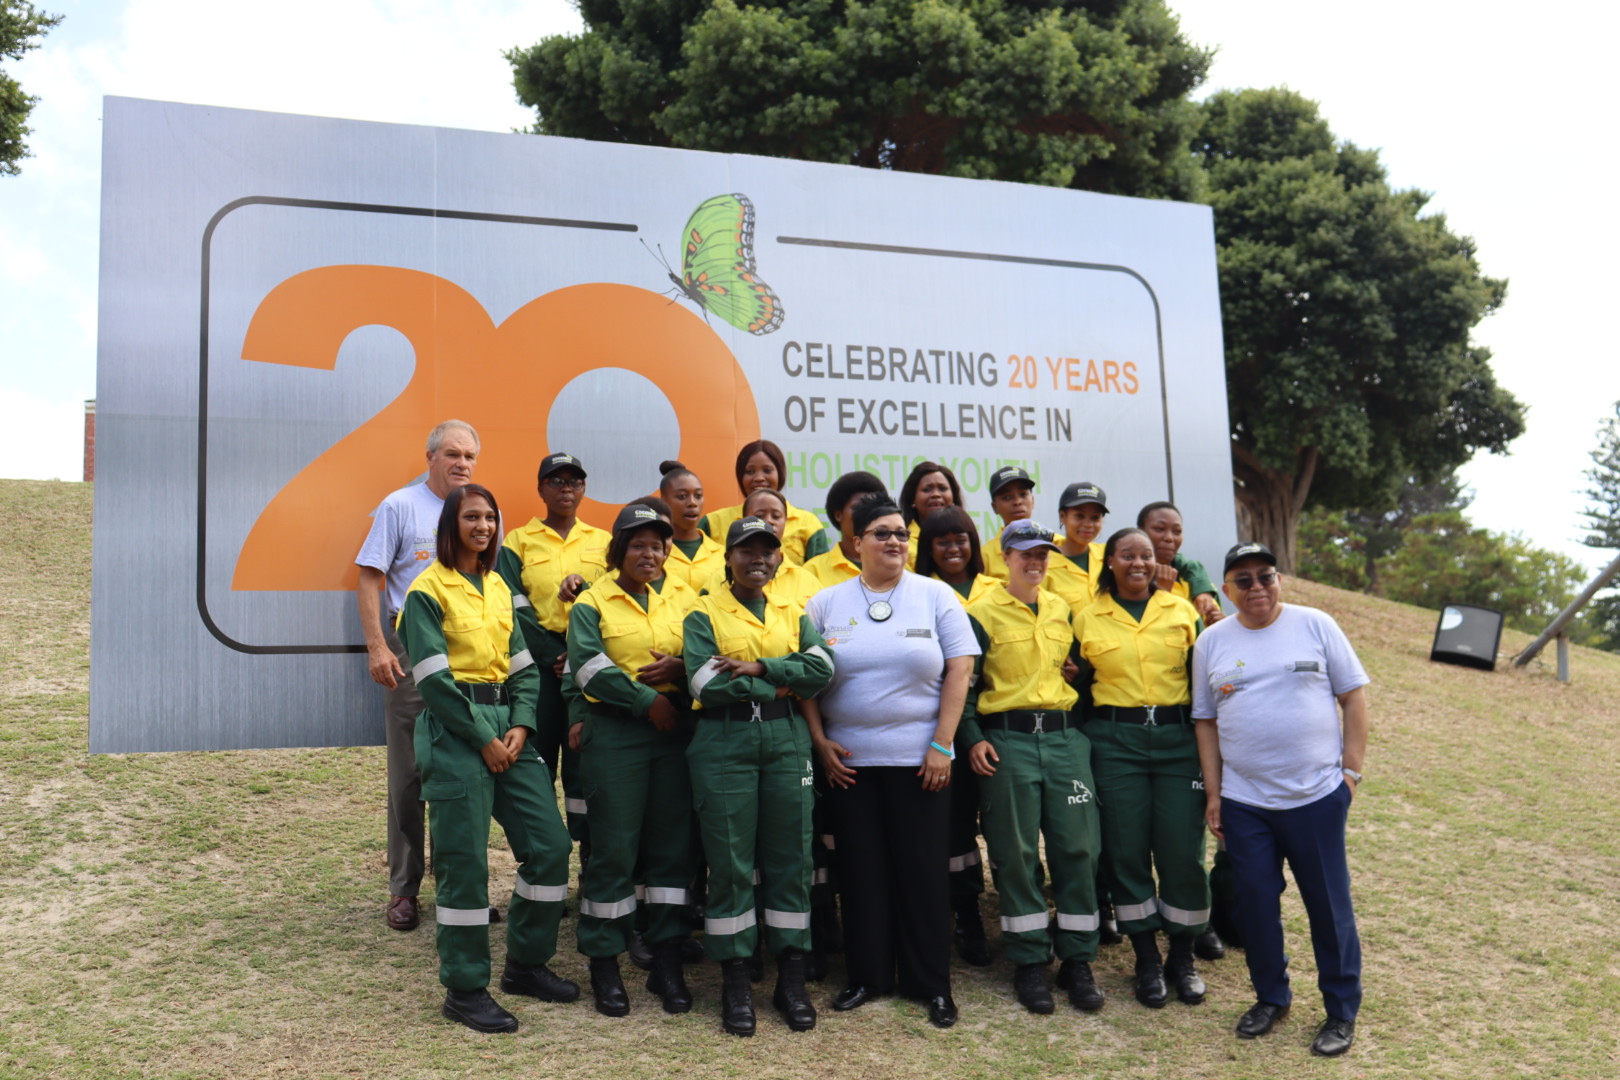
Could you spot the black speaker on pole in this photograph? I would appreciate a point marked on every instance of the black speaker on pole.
(1467, 635)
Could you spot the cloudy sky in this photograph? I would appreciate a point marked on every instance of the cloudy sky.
(1499, 120)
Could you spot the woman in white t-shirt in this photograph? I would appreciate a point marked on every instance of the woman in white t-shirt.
(883, 729)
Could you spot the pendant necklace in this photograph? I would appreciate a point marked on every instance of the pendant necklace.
(877, 610)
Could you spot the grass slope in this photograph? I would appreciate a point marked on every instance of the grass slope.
(219, 915)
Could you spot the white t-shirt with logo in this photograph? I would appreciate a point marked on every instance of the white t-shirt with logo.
(403, 540)
(1274, 694)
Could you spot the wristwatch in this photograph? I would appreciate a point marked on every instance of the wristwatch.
(1351, 773)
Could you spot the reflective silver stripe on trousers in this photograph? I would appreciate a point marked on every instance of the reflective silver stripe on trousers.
(520, 661)
(545, 894)
(734, 925)
(820, 876)
(1023, 924)
(757, 878)
(962, 862)
(817, 650)
(588, 670)
(608, 911)
(1182, 916)
(575, 806)
(1144, 910)
(787, 920)
(520, 601)
(431, 665)
(1078, 922)
(641, 894)
(456, 916)
(705, 675)
(827, 842)
(657, 895)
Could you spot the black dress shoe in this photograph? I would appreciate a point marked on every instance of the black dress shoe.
(1150, 988)
(479, 1011)
(538, 981)
(1190, 988)
(1260, 1019)
(1034, 992)
(852, 996)
(1209, 946)
(1075, 976)
(1333, 1037)
(607, 986)
(941, 1011)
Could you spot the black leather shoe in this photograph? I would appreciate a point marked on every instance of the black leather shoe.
(852, 997)
(1260, 1019)
(607, 987)
(1333, 1037)
(736, 998)
(1075, 976)
(1150, 988)
(941, 1011)
(790, 998)
(478, 1010)
(538, 982)
(639, 952)
(1209, 946)
(668, 979)
(1190, 988)
(1034, 992)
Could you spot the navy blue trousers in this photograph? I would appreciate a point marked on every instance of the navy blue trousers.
(1311, 838)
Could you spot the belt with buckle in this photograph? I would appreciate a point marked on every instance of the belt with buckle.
(1028, 721)
(485, 693)
(1146, 715)
(752, 712)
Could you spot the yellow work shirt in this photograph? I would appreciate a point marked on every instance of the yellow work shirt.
(477, 626)
(793, 583)
(995, 563)
(833, 567)
(741, 636)
(628, 634)
(1138, 663)
(981, 584)
(677, 592)
(1023, 660)
(696, 570)
(800, 527)
(915, 529)
(1077, 587)
(547, 558)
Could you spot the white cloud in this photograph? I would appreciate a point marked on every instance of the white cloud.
(49, 433)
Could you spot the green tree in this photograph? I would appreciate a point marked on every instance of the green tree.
(21, 25)
(1332, 550)
(1070, 94)
(1603, 515)
(1347, 313)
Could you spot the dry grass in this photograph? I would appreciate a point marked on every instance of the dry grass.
(218, 915)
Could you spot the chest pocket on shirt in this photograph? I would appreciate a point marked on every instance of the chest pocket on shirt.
(1093, 649)
(1012, 635)
(1179, 638)
(735, 646)
(463, 623)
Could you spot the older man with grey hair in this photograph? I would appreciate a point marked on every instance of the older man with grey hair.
(402, 543)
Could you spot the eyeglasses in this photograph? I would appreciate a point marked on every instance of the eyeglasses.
(1247, 581)
(885, 535)
(566, 483)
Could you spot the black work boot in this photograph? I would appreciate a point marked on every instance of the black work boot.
(607, 987)
(667, 979)
(791, 999)
(736, 998)
(1034, 992)
(478, 1010)
(1075, 976)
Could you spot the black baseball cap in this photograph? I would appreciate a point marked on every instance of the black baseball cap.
(1008, 474)
(642, 516)
(552, 462)
(1080, 494)
(1239, 552)
(747, 529)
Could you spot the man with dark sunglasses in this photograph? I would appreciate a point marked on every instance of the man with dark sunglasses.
(1281, 719)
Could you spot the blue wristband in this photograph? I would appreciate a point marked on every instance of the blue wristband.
(948, 753)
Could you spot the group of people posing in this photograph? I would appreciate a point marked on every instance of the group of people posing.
(749, 717)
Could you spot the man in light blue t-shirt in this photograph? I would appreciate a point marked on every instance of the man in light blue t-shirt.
(1281, 720)
(402, 543)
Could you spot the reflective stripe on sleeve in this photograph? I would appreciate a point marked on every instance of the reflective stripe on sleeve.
(787, 920)
(1143, 910)
(1181, 916)
(520, 661)
(541, 893)
(519, 601)
(1023, 924)
(455, 916)
(616, 910)
(431, 665)
(817, 650)
(1078, 922)
(595, 664)
(705, 675)
(734, 925)
(658, 895)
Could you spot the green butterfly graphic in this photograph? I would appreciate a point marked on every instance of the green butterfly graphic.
(718, 272)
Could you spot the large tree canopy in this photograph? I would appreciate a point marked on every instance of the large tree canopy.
(20, 27)
(1347, 314)
(1088, 95)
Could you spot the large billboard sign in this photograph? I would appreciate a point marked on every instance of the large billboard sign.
(288, 304)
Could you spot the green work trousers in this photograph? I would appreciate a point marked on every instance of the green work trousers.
(1152, 795)
(462, 796)
(751, 784)
(638, 798)
(1043, 787)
